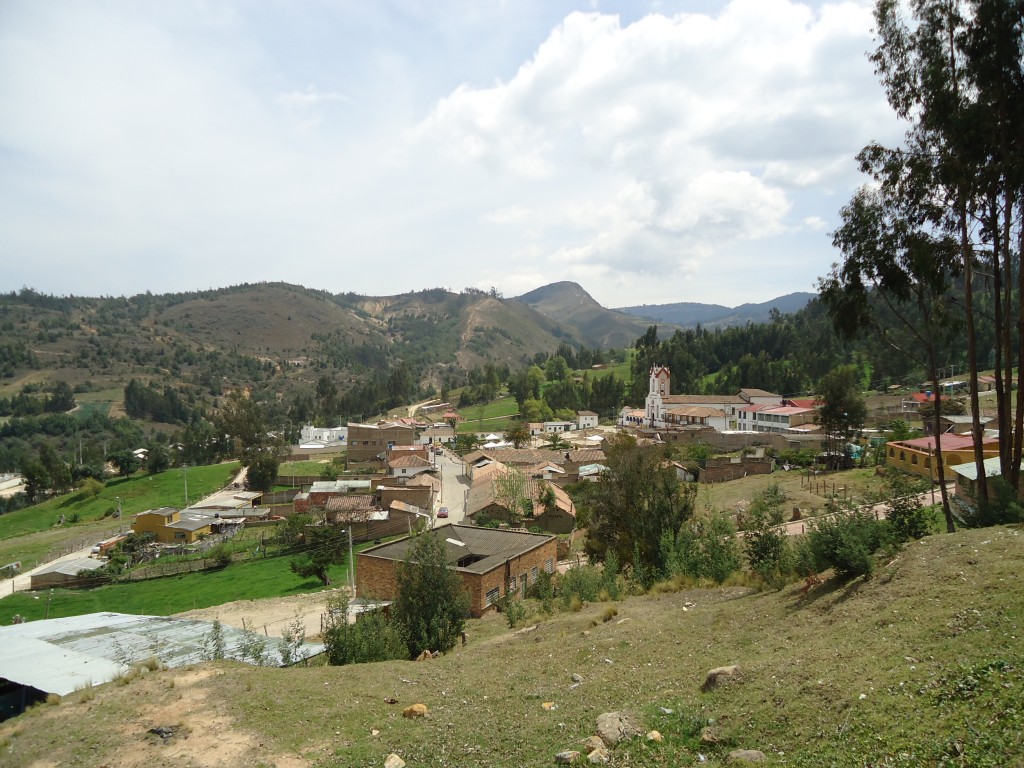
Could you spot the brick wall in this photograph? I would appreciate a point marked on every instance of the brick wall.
(376, 576)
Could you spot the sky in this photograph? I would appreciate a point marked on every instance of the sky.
(653, 152)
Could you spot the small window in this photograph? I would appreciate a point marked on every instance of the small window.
(913, 459)
(903, 456)
(549, 566)
(511, 585)
(892, 452)
(534, 573)
(492, 596)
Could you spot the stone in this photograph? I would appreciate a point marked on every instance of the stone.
(549, 705)
(655, 736)
(576, 677)
(599, 756)
(614, 727)
(592, 743)
(745, 756)
(720, 675)
(394, 761)
(708, 736)
(567, 756)
(415, 710)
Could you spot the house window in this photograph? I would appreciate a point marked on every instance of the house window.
(892, 452)
(549, 566)
(903, 456)
(534, 573)
(511, 585)
(492, 596)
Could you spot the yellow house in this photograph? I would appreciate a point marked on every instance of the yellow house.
(917, 455)
(168, 526)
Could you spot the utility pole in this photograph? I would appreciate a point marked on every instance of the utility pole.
(185, 468)
(351, 565)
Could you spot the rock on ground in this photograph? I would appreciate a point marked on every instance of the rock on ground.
(614, 727)
(720, 675)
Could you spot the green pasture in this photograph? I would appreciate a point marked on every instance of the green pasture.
(137, 493)
(250, 580)
(33, 534)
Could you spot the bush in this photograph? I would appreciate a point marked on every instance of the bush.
(220, 555)
(847, 543)
(908, 518)
(373, 637)
(705, 548)
(768, 549)
(543, 589)
(512, 607)
(432, 604)
(579, 585)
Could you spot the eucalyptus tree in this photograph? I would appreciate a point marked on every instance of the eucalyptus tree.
(945, 205)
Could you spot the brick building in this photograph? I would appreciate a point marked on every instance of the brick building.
(370, 441)
(491, 562)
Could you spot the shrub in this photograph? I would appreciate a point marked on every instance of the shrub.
(543, 589)
(609, 613)
(432, 604)
(705, 548)
(512, 607)
(908, 518)
(373, 637)
(220, 555)
(582, 584)
(768, 550)
(847, 543)
(1004, 506)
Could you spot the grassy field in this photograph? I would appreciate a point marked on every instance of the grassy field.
(302, 467)
(489, 417)
(919, 665)
(731, 496)
(622, 370)
(250, 580)
(28, 534)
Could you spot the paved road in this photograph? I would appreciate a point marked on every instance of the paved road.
(454, 485)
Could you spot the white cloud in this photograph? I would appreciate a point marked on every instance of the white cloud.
(476, 144)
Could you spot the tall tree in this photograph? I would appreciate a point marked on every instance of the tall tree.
(432, 604)
(637, 508)
(842, 411)
(955, 72)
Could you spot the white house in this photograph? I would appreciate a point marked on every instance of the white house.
(586, 420)
(555, 427)
(319, 437)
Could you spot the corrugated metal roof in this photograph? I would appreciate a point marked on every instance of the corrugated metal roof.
(72, 567)
(63, 655)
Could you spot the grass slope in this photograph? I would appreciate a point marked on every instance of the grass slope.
(28, 534)
(250, 580)
(919, 665)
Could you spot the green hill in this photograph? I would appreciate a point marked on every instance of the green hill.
(920, 665)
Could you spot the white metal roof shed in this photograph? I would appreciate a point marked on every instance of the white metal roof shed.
(66, 654)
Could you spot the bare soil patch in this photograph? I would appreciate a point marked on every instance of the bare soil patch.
(270, 615)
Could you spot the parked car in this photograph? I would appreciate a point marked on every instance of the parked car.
(442, 512)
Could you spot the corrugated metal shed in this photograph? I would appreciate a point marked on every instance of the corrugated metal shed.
(63, 655)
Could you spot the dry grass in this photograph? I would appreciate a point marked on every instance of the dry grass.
(920, 664)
